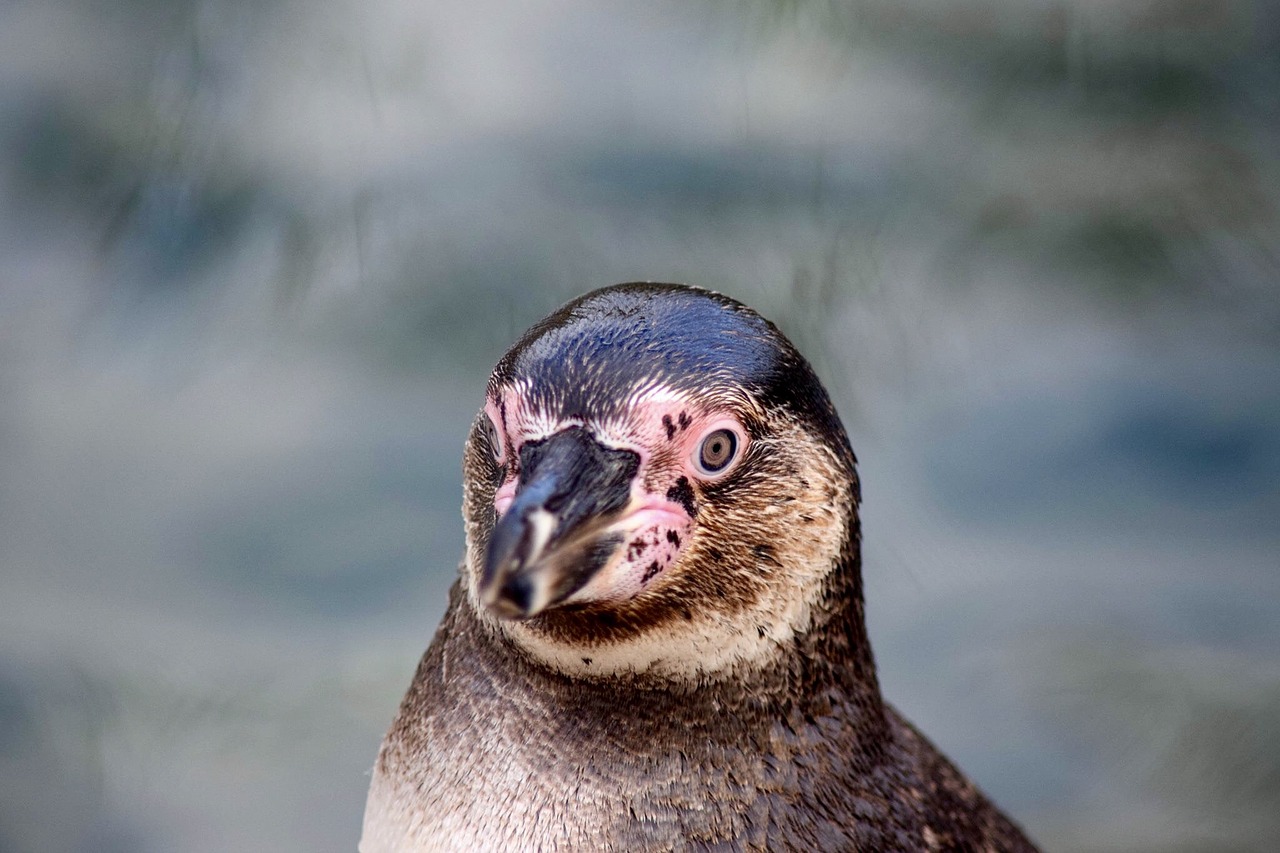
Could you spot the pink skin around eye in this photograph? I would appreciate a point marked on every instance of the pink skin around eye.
(507, 491)
(668, 435)
(666, 432)
(495, 416)
(505, 495)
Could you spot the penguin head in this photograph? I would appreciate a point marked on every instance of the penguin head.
(657, 483)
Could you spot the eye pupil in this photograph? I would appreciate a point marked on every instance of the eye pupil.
(717, 451)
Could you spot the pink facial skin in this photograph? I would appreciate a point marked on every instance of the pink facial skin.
(666, 430)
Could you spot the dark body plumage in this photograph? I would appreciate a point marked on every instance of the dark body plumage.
(783, 742)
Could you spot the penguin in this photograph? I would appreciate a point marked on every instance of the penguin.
(657, 639)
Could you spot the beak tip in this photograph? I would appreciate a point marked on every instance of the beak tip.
(515, 596)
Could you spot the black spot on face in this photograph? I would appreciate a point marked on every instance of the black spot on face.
(673, 538)
(669, 427)
(682, 493)
(634, 549)
(650, 572)
(685, 420)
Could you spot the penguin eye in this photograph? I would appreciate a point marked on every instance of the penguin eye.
(716, 451)
(495, 440)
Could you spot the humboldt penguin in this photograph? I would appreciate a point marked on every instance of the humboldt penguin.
(657, 640)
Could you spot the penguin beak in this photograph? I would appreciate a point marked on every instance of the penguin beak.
(554, 536)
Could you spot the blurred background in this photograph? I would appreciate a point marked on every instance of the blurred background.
(257, 259)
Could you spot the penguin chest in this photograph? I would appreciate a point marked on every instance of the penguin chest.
(499, 789)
